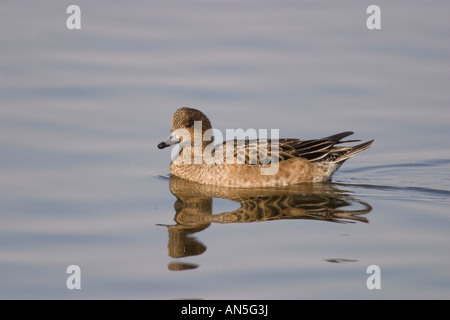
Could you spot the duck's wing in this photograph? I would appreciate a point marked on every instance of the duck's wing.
(260, 151)
(313, 150)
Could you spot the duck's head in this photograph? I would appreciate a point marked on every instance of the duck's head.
(186, 119)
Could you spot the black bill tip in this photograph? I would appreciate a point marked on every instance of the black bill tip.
(162, 145)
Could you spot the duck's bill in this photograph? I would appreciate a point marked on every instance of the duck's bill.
(169, 142)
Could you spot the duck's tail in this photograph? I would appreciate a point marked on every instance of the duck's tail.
(340, 154)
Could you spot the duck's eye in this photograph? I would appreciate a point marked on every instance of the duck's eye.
(189, 124)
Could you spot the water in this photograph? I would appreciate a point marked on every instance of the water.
(82, 182)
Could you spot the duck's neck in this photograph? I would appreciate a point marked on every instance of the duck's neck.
(195, 152)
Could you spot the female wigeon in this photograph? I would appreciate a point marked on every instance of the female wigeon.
(281, 162)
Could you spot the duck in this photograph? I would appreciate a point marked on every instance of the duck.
(236, 162)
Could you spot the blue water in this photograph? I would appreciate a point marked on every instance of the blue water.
(82, 182)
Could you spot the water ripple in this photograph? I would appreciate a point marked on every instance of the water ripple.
(160, 176)
(432, 191)
(428, 178)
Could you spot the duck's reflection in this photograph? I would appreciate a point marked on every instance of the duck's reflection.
(194, 210)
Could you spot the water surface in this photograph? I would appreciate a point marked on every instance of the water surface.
(82, 182)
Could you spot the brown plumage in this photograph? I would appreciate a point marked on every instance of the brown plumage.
(272, 162)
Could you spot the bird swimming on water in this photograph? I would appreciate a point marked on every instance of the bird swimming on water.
(292, 161)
